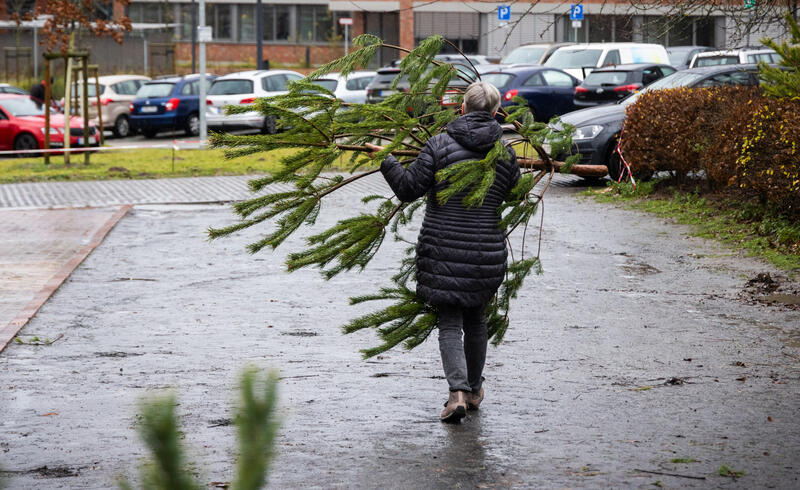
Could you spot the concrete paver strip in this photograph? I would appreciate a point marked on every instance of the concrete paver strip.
(577, 397)
(38, 251)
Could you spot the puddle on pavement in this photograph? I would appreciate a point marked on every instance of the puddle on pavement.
(790, 337)
(786, 299)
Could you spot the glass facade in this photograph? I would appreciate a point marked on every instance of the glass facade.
(686, 31)
(236, 22)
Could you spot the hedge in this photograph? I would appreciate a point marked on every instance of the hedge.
(733, 135)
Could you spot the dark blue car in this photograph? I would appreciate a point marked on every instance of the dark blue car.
(169, 104)
(549, 91)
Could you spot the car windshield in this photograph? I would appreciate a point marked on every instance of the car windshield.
(499, 80)
(574, 58)
(717, 60)
(329, 85)
(231, 87)
(524, 55)
(155, 90)
(678, 56)
(606, 78)
(677, 79)
(92, 92)
(22, 106)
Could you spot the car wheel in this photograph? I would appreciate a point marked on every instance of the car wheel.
(614, 163)
(122, 127)
(270, 125)
(149, 133)
(192, 125)
(26, 141)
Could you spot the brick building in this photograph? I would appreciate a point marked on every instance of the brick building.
(300, 31)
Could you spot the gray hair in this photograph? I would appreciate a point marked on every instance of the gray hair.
(481, 96)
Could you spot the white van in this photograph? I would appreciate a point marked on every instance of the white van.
(580, 59)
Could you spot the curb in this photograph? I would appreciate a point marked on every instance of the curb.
(9, 331)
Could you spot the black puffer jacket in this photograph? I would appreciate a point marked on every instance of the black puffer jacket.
(461, 252)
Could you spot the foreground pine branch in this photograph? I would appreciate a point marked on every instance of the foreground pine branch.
(257, 427)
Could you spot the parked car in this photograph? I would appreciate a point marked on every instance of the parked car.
(610, 84)
(352, 88)
(532, 54)
(10, 89)
(381, 86)
(22, 125)
(735, 56)
(116, 94)
(243, 88)
(580, 59)
(168, 104)
(681, 56)
(597, 129)
(549, 91)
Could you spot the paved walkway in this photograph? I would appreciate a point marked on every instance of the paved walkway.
(38, 251)
(633, 351)
(111, 192)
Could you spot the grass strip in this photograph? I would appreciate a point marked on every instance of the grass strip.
(743, 224)
(145, 163)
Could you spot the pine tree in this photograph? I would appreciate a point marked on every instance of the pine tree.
(783, 81)
(323, 130)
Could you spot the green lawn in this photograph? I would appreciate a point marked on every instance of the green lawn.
(146, 163)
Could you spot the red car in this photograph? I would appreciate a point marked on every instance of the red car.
(22, 125)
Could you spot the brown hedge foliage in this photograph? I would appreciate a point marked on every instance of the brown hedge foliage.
(688, 130)
(769, 161)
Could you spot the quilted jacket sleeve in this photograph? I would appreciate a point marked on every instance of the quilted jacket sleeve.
(414, 181)
(514, 171)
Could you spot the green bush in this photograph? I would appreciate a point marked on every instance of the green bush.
(769, 163)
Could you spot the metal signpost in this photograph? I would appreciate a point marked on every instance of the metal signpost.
(576, 16)
(346, 22)
(203, 36)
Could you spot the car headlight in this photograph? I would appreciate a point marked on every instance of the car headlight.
(586, 132)
(52, 130)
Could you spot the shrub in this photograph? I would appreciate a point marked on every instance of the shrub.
(686, 130)
(769, 162)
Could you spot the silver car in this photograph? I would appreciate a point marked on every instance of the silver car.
(116, 94)
(243, 88)
(352, 88)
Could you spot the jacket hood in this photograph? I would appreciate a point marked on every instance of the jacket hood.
(475, 131)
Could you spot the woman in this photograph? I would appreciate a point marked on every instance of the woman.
(461, 252)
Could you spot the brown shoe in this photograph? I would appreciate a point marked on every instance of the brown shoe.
(456, 407)
(474, 400)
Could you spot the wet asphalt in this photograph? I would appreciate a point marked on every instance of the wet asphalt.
(637, 346)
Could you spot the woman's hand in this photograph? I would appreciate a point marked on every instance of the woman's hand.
(373, 149)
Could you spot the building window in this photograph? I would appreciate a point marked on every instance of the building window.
(247, 23)
(686, 31)
(462, 29)
(277, 22)
(21, 7)
(149, 12)
(313, 23)
(218, 16)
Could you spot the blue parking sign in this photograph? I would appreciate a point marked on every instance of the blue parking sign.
(576, 11)
(504, 12)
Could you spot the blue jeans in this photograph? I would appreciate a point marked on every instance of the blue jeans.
(463, 361)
